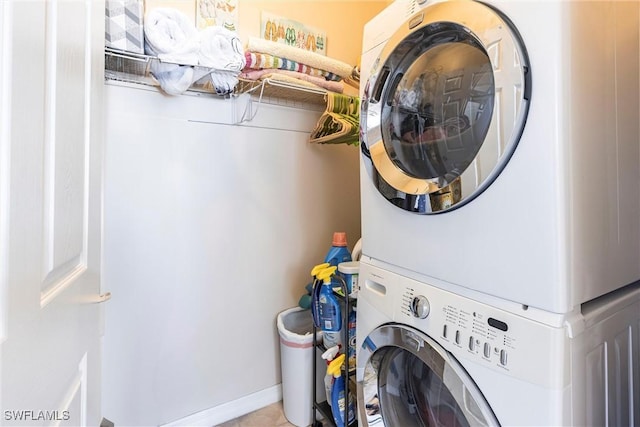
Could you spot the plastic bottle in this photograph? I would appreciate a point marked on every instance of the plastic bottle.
(351, 345)
(337, 394)
(329, 356)
(330, 339)
(328, 305)
(349, 271)
(315, 293)
(339, 252)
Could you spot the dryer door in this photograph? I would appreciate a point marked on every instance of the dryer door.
(410, 380)
(444, 106)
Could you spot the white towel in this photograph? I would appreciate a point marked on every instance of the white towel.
(171, 37)
(302, 56)
(224, 81)
(187, 54)
(220, 49)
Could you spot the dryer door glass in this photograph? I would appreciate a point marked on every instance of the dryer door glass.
(435, 119)
(409, 380)
(445, 106)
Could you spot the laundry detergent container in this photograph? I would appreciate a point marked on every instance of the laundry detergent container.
(295, 327)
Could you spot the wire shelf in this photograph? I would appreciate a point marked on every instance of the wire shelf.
(283, 93)
(132, 67)
(128, 67)
(135, 68)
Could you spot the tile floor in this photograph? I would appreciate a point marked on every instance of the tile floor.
(269, 416)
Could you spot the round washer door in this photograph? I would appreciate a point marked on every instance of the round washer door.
(445, 106)
(409, 380)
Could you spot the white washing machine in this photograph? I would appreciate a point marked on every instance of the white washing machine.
(500, 146)
(429, 357)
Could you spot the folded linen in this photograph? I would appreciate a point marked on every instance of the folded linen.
(275, 74)
(302, 56)
(187, 54)
(290, 80)
(256, 60)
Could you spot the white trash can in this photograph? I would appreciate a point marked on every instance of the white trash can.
(295, 327)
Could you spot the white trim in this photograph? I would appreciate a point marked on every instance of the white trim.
(84, 403)
(231, 410)
(88, 70)
(51, 21)
(6, 44)
(77, 387)
(52, 291)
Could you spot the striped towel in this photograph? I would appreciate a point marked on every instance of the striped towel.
(262, 60)
(300, 78)
(301, 56)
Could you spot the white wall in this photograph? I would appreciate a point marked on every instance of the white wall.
(210, 231)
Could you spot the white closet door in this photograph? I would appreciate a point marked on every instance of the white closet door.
(51, 83)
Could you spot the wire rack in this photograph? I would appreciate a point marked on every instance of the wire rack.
(284, 93)
(128, 67)
(132, 67)
(135, 68)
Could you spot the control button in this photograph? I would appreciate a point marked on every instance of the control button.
(472, 344)
(503, 357)
(457, 337)
(444, 331)
(487, 350)
(420, 307)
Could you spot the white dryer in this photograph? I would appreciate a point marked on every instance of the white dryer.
(501, 148)
(429, 357)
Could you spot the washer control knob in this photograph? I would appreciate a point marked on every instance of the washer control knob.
(420, 307)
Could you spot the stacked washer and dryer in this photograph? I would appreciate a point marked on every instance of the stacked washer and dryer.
(500, 189)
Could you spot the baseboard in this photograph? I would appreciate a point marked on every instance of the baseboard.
(230, 410)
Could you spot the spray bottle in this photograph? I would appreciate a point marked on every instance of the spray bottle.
(329, 356)
(315, 293)
(338, 394)
(329, 309)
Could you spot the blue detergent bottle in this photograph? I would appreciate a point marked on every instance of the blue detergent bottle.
(328, 308)
(339, 251)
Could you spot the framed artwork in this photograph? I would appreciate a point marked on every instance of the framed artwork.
(292, 33)
(223, 13)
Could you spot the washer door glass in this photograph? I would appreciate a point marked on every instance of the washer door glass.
(409, 380)
(445, 106)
